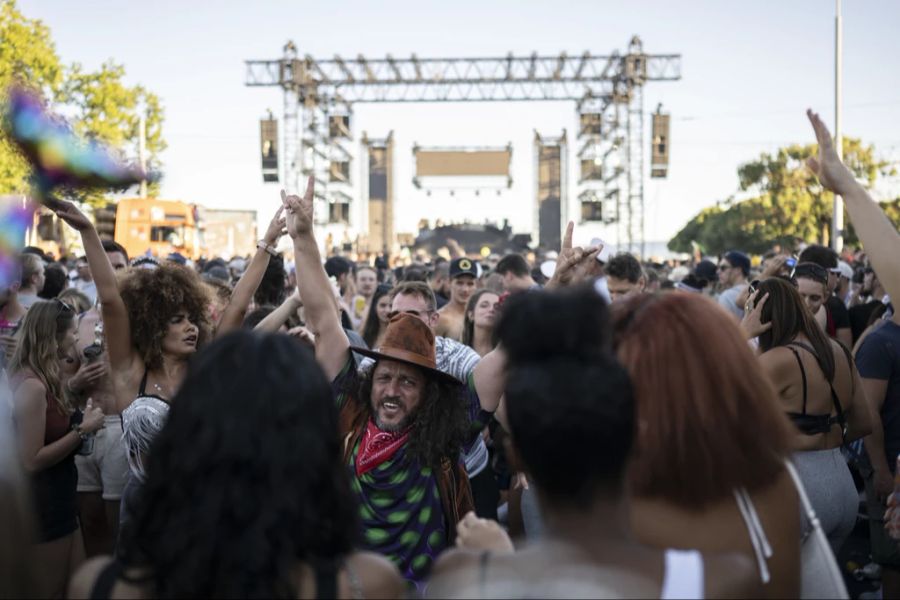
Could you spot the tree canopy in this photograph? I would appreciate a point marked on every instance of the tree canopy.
(99, 105)
(786, 204)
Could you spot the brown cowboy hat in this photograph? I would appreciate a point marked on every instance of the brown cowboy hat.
(411, 341)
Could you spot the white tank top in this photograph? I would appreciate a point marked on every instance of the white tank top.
(684, 575)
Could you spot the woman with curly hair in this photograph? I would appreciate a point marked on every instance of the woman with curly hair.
(259, 506)
(153, 322)
(48, 437)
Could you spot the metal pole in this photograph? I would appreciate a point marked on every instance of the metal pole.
(837, 221)
(142, 149)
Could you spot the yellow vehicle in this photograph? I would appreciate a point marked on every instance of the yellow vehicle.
(160, 226)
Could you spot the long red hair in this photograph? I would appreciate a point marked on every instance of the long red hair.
(708, 418)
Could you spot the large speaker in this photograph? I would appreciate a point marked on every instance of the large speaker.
(339, 171)
(590, 170)
(591, 210)
(659, 150)
(268, 136)
(339, 126)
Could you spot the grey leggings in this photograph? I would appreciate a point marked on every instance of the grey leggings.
(831, 491)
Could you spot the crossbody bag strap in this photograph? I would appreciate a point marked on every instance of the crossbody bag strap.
(805, 504)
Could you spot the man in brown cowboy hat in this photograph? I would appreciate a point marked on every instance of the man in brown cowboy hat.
(402, 421)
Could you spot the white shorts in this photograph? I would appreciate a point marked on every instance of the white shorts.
(106, 468)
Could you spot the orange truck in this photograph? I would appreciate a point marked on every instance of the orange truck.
(160, 226)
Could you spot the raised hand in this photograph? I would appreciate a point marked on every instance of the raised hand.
(299, 211)
(276, 227)
(69, 213)
(87, 378)
(752, 322)
(573, 264)
(833, 174)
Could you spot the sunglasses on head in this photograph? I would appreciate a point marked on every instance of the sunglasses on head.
(754, 286)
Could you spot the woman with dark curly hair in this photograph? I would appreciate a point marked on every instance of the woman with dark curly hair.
(259, 505)
(153, 321)
(377, 318)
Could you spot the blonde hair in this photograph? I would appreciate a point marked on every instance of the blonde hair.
(75, 298)
(37, 345)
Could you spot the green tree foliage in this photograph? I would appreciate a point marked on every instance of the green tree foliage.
(107, 110)
(98, 104)
(787, 204)
(27, 56)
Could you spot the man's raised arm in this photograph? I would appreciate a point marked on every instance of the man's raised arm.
(332, 346)
(878, 235)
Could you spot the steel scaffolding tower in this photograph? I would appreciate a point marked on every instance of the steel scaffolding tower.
(607, 90)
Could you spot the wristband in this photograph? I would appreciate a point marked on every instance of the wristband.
(79, 431)
(262, 245)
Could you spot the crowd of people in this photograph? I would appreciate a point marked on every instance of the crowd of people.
(462, 427)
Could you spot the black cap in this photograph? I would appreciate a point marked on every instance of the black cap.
(463, 266)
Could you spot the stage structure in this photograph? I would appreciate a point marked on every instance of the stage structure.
(319, 95)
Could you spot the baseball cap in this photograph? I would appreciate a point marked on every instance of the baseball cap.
(463, 266)
(740, 260)
(706, 269)
(843, 269)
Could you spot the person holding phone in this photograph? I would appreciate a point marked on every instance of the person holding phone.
(50, 432)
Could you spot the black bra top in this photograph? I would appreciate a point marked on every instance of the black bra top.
(815, 424)
(142, 390)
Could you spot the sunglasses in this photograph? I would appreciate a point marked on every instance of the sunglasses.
(62, 309)
(754, 286)
(725, 267)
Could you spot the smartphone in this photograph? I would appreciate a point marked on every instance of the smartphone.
(791, 262)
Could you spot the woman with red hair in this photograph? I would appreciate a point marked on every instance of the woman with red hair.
(708, 471)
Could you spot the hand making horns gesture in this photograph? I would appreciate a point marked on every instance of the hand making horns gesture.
(573, 264)
(299, 211)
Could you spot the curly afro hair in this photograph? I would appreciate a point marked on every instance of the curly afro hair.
(153, 297)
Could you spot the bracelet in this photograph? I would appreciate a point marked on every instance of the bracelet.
(262, 245)
(79, 431)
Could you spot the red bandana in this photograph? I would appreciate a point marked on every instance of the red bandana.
(378, 446)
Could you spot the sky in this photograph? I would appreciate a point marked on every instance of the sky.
(749, 70)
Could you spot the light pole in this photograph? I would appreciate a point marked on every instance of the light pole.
(837, 219)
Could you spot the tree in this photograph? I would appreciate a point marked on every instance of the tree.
(27, 55)
(99, 105)
(788, 204)
(108, 111)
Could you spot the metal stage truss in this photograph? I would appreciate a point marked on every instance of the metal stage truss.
(606, 89)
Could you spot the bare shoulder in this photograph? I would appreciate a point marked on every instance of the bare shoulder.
(30, 394)
(778, 362)
(82, 582)
(730, 576)
(378, 576)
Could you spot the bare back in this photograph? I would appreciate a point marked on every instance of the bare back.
(783, 366)
(720, 528)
